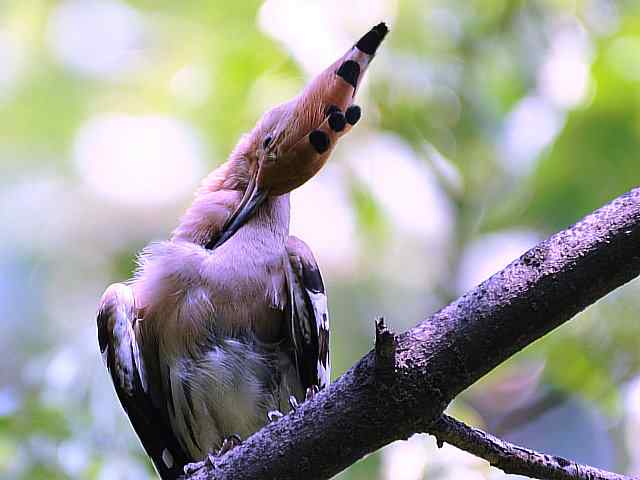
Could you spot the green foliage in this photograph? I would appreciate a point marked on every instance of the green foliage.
(451, 79)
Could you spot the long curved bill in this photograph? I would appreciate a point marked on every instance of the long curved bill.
(252, 199)
(335, 87)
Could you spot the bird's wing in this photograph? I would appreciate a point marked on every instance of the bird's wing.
(309, 316)
(120, 352)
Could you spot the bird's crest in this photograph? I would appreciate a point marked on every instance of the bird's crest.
(288, 146)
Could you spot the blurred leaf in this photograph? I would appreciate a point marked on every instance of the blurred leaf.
(371, 218)
(34, 418)
(573, 366)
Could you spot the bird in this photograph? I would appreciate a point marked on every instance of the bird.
(225, 325)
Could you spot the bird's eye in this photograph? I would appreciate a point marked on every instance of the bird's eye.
(266, 141)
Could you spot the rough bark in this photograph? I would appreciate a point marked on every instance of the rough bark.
(512, 458)
(405, 386)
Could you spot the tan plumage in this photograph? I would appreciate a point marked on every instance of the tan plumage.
(226, 320)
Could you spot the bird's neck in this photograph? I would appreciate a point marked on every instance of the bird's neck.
(210, 210)
(271, 220)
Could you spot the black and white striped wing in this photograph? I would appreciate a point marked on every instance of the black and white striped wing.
(121, 354)
(309, 316)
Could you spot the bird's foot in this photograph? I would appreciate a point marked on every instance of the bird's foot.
(209, 462)
(229, 443)
(274, 415)
(311, 392)
(190, 468)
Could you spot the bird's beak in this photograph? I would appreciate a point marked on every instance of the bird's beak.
(253, 197)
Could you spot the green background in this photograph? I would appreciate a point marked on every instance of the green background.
(487, 126)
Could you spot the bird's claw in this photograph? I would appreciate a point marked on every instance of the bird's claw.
(311, 392)
(274, 415)
(229, 443)
(191, 468)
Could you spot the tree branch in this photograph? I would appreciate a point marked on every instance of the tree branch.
(434, 361)
(511, 458)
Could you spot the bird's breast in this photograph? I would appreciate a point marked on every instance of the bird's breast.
(188, 292)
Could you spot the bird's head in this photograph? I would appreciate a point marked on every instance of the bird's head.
(292, 141)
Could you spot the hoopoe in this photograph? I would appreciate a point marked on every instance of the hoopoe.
(226, 323)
